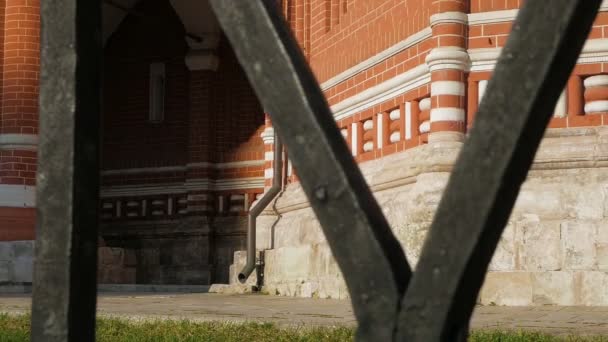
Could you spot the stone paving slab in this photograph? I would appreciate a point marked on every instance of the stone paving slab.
(299, 311)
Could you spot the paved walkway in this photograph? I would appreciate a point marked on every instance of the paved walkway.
(287, 311)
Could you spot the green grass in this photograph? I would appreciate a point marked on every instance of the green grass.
(16, 329)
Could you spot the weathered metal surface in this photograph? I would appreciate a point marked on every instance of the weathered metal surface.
(370, 257)
(64, 292)
(529, 77)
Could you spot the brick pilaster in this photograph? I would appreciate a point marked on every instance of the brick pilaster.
(448, 63)
(19, 117)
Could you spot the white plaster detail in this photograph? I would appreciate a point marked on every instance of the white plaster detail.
(596, 107)
(368, 125)
(395, 114)
(344, 133)
(368, 146)
(447, 88)
(197, 60)
(596, 81)
(382, 92)
(481, 89)
(410, 41)
(27, 142)
(268, 173)
(425, 127)
(449, 18)
(408, 121)
(395, 137)
(447, 114)
(442, 58)
(289, 168)
(425, 104)
(17, 196)
(268, 156)
(561, 108)
(379, 131)
(354, 139)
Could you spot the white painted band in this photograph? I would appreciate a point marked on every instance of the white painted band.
(27, 142)
(481, 89)
(18, 196)
(447, 114)
(447, 88)
(269, 156)
(596, 107)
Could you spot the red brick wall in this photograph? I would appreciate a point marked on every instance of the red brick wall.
(344, 33)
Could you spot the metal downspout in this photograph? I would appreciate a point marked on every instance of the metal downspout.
(256, 210)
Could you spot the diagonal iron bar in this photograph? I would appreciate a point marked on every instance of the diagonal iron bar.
(371, 259)
(529, 77)
(64, 293)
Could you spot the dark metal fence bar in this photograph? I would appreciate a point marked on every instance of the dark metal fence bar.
(370, 257)
(64, 293)
(529, 77)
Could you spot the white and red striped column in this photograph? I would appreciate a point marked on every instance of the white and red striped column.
(20, 74)
(448, 62)
(268, 139)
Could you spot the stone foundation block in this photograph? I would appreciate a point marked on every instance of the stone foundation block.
(507, 288)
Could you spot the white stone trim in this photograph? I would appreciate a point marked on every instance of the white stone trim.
(425, 104)
(447, 88)
(202, 184)
(492, 17)
(163, 169)
(594, 51)
(18, 196)
(228, 165)
(449, 18)
(382, 92)
(27, 142)
(448, 58)
(142, 170)
(410, 41)
(268, 136)
(447, 114)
